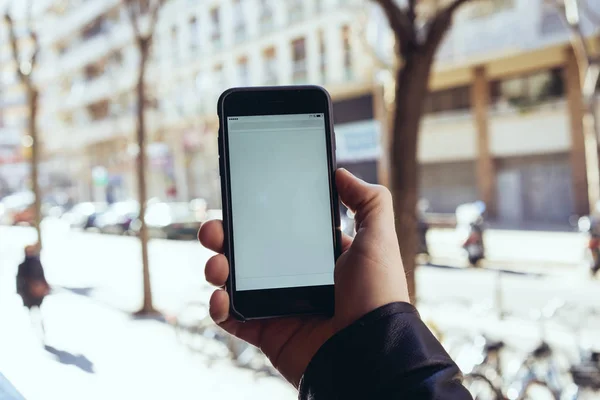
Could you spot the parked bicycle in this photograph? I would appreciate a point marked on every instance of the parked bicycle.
(195, 329)
(585, 370)
(491, 373)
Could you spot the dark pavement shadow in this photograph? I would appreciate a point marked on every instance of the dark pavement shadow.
(89, 293)
(80, 291)
(486, 270)
(149, 317)
(66, 358)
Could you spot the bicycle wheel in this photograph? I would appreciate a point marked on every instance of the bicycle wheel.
(196, 330)
(481, 388)
(537, 390)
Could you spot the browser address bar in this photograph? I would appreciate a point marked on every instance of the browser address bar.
(274, 125)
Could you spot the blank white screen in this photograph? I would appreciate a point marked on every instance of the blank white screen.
(280, 201)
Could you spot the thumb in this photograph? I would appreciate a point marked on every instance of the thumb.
(369, 202)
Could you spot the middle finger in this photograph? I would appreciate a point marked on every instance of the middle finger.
(217, 270)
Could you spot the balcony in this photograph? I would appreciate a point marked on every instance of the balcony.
(240, 33)
(452, 136)
(300, 72)
(270, 78)
(216, 41)
(529, 25)
(88, 51)
(60, 27)
(448, 136)
(106, 86)
(267, 22)
(296, 13)
(536, 130)
(88, 131)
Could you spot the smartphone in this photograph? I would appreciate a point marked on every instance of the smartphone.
(280, 204)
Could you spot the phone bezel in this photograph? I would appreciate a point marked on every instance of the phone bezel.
(265, 303)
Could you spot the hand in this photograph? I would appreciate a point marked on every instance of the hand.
(368, 274)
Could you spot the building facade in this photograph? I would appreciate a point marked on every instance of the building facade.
(502, 123)
(503, 119)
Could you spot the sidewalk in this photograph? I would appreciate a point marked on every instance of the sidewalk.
(519, 250)
(93, 352)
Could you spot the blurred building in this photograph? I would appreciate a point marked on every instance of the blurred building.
(503, 119)
(200, 48)
(206, 47)
(14, 171)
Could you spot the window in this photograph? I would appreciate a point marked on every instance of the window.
(529, 89)
(270, 57)
(194, 35)
(299, 61)
(174, 46)
(486, 8)
(347, 52)
(242, 72)
(220, 77)
(239, 23)
(215, 27)
(322, 56)
(99, 110)
(551, 22)
(115, 61)
(454, 99)
(266, 15)
(97, 27)
(295, 10)
(92, 71)
(66, 117)
(62, 48)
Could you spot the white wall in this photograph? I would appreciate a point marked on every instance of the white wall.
(447, 138)
(537, 132)
(512, 133)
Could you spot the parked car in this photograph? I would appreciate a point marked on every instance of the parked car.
(173, 220)
(118, 217)
(18, 209)
(83, 215)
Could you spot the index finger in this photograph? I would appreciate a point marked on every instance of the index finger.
(211, 235)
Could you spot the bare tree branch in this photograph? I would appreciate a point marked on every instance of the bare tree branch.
(157, 5)
(133, 18)
(580, 46)
(400, 23)
(590, 14)
(439, 25)
(412, 12)
(14, 48)
(362, 34)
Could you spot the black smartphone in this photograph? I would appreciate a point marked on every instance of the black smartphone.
(280, 204)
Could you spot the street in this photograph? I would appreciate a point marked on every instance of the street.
(95, 349)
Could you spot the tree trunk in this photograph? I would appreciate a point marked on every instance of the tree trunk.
(147, 306)
(411, 90)
(32, 97)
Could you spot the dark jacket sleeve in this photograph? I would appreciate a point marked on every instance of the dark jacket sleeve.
(387, 354)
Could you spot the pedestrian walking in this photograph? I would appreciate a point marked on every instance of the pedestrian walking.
(31, 283)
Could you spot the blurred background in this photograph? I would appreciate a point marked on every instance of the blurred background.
(484, 128)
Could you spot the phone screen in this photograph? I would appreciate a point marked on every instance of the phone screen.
(280, 201)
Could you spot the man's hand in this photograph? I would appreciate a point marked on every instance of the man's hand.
(368, 274)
